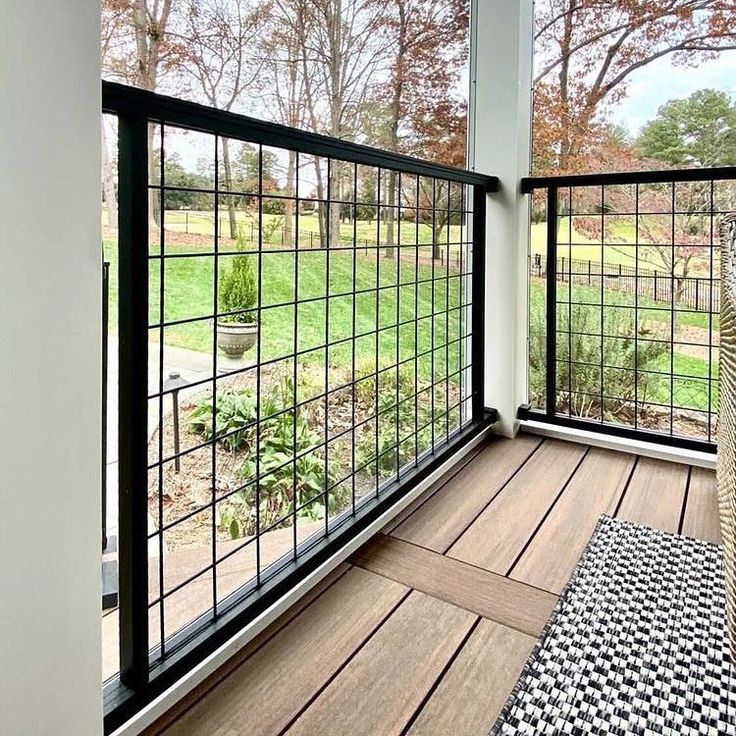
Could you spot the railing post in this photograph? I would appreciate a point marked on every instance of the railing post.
(551, 378)
(132, 404)
(479, 305)
(105, 321)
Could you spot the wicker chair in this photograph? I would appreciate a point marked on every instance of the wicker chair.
(727, 419)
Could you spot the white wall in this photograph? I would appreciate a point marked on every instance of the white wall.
(49, 368)
(501, 74)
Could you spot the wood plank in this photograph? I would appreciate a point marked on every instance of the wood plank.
(268, 689)
(485, 593)
(470, 696)
(701, 510)
(424, 497)
(443, 518)
(595, 489)
(655, 494)
(498, 535)
(201, 691)
(382, 686)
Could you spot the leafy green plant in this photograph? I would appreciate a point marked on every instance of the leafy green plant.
(579, 379)
(234, 417)
(280, 478)
(396, 422)
(238, 288)
(269, 228)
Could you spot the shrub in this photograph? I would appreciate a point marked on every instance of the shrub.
(396, 423)
(238, 288)
(286, 431)
(579, 385)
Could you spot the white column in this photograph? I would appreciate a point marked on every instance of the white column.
(50, 266)
(500, 115)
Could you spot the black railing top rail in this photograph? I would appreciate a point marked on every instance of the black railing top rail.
(123, 99)
(664, 176)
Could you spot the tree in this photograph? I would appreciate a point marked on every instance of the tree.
(587, 50)
(340, 53)
(217, 42)
(697, 131)
(287, 90)
(137, 46)
(427, 54)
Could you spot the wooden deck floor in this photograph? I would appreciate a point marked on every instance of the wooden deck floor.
(427, 628)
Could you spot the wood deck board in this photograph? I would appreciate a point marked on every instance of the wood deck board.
(173, 714)
(438, 485)
(484, 593)
(367, 656)
(261, 696)
(498, 535)
(442, 519)
(470, 696)
(595, 489)
(701, 509)
(655, 494)
(382, 686)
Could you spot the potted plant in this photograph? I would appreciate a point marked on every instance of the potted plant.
(238, 331)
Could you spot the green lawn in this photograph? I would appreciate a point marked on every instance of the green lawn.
(648, 308)
(585, 249)
(287, 277)
(690, 392)
(189, 294)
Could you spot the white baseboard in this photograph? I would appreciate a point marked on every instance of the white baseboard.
(154, 710)
(637, 447)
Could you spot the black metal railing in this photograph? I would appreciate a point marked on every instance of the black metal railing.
(624, 300)
(355, 369)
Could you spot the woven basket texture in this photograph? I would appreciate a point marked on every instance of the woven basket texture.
(726, 470)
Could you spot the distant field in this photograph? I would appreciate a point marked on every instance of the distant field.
(203, 222)
(585, 249)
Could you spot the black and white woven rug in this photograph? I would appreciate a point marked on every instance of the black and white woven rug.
(636, 645)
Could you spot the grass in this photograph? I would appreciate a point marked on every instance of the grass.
(690, 390)
(687, 393)
(189, 294)
(649, 309)
(189, 289)
(573, 244)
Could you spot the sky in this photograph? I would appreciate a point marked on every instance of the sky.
(649, 88)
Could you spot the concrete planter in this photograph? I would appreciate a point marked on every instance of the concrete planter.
(235, 338)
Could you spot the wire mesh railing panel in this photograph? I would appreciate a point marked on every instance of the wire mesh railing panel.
(320, 375)
(631, 338)
(312, 348)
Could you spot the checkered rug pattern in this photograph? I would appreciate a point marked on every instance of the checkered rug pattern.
(637, 644)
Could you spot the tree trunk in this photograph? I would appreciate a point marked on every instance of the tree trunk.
(391, 214)
(333, 208)
(398, 91)
(154, 196)
(321, 208)
(289, 239)
(226, 165)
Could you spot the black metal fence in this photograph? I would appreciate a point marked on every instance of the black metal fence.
(330, 384)
(697, 293)
(616, 345)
